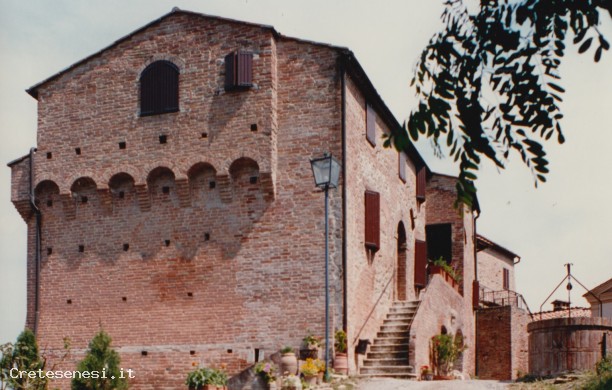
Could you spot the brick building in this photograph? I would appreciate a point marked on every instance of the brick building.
(170, 201)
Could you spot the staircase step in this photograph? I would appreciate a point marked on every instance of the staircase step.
(397, 322)
(389, 348)
(405, 304)
(401, 354)
(401, 316)
(392, 340)
(387, 362)
(380, 370)
(393, 334)
(387, 375)
(395, 328)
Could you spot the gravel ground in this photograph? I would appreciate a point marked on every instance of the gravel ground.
(398, 384)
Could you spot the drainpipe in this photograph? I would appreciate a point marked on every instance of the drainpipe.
(344, 234)
(476, 278)
(37, 243)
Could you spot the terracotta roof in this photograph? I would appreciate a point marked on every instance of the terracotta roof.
(483, 243)
(575, 312)
(602, 288)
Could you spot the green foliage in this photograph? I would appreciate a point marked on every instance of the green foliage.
(287, 349)
(445, 350)
(206, 376)
(440, 262)
(101, 359)
(340, 341)
(311, 341)
(488, 83)
(23, 356)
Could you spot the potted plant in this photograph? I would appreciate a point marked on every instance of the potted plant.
(291, 382)
(267, 372)
(310, 344)
(288, 361)
(199, 378)
(340, 357)
(445, 350)
(218, 380)
(321, 366)
(426, 373)
(310, 369)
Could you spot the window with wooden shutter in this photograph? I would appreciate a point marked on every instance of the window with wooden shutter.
(420, 264)
(371, 124)
(402, 166)
(159, 93)
(506, 281)
(372, 220)
(238, 70)
(421, 184)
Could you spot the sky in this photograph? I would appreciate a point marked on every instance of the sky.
(566, 220)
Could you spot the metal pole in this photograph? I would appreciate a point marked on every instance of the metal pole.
(326, 287)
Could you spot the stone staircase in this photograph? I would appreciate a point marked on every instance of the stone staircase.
(388, 355)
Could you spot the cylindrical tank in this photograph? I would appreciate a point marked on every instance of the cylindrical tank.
(568, 344)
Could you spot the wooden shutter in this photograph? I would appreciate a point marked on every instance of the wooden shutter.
(402, 166)
(372, 220)
(420, 263)
(421, 183)
(238, 70)
(506, 280)
(475, 294)
(230, 71)
(371, 124)
(244, 70)
(159, 88)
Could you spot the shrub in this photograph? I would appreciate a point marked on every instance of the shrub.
(100, 358)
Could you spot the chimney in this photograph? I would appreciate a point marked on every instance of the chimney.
(560, 305)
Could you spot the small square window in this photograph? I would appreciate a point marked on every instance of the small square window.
(122, 145)
(163, 139)
(77, 151)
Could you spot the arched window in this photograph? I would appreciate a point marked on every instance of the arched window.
(159, 88)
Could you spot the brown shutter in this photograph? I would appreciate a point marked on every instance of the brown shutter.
(372, 220)
(402, 166)
(506, 280)
(245, 69)
(230, 71)
(371, 124)
(421, 183)
(475, 294)
(238, 70)
(159, 88)
(420, 263)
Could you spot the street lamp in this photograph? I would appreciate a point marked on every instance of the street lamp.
(326, 171)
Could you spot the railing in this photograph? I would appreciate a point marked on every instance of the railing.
(490, 298)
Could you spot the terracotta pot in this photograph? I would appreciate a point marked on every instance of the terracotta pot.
(341, 363)
(310, 379)
(320, 376)
(288, 363)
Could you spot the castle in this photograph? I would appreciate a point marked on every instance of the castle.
(170, 201)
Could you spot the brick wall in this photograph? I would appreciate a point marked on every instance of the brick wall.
(502, 342)
(441, 196)
(491, 264)
(202, 273)
(372, 278)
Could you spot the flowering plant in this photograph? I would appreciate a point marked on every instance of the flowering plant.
(320, 365)
(266, 370)
(425, 370)
(309, 368)
(291, 381)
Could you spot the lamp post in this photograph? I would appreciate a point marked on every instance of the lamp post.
(326, 172)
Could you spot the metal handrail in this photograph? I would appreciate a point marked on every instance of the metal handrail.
(504, 298)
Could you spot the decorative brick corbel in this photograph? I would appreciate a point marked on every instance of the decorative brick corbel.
(106, 201)
(144, 199)
(225, 188)
(69, 206)
(267, 186)
(183, 193)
